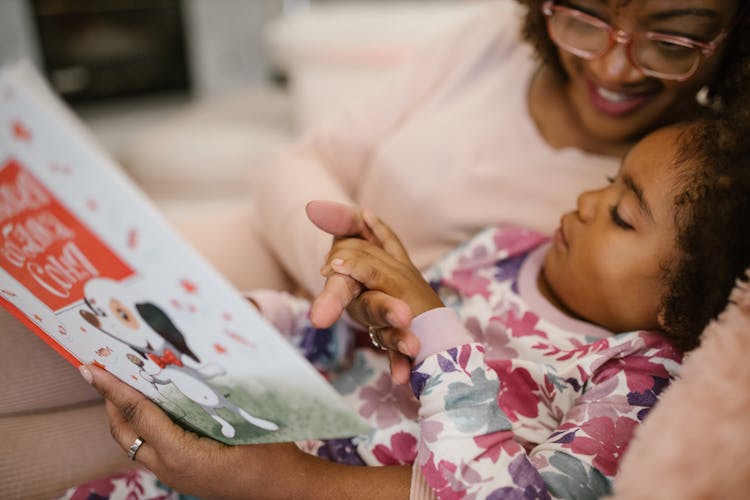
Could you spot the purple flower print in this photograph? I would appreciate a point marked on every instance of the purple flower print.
(317, 346)
(649, 397)
(342, 451)
(527, 483)
(508, 269)
(390, 404)
(418, 380)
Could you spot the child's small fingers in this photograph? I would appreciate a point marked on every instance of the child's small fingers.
(398, 340)
(400, 368)
(371, 274)
(378, 309)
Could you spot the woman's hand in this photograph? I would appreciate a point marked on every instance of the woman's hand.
(183, 460)
(206, 468)
(389, 315)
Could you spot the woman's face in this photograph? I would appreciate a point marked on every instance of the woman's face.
(614, 100)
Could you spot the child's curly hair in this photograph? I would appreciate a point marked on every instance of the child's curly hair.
(712, 222)
(728, 83)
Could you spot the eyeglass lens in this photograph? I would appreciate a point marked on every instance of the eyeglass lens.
(654, 54)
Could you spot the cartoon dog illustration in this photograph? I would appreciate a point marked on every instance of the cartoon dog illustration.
(148, 330)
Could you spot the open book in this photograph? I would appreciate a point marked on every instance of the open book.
(91, 267)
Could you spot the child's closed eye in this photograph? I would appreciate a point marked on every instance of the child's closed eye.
(617, 219)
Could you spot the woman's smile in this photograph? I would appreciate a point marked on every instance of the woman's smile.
(613, 102)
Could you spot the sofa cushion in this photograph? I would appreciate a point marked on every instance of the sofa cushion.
(35, 377)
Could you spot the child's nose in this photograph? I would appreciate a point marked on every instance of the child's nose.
(586, 205)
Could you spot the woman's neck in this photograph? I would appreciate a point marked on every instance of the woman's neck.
(557, 121)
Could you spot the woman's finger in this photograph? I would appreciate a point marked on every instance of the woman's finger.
(385, 235)
(125, 435)
(338, 219)
(338, 292)
(137, 414)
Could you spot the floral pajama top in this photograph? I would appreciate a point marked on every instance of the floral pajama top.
(513, 399)
(509, 399)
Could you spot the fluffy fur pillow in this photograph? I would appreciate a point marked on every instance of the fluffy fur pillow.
(696, 443)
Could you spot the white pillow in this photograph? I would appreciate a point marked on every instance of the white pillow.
(332, 51)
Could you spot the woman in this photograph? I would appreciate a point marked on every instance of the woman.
(502, 127)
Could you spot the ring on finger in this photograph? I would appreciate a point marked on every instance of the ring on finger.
(134, 448)
(373, 331)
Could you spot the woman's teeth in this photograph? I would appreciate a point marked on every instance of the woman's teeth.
(611, 96)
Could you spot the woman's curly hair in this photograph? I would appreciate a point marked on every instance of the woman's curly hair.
(728, 84)
(712, 220)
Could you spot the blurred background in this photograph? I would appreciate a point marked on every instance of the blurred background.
(190, 96)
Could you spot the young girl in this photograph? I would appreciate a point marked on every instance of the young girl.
(537, 360)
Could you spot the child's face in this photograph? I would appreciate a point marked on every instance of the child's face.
(607, 260)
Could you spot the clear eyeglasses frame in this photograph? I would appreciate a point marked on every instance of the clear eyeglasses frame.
(659, 55)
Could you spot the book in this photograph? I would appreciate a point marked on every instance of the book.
(89, 265)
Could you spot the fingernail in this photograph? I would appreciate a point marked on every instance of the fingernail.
(337, 263)
(392, 319)
(86, 374)
(403, 349)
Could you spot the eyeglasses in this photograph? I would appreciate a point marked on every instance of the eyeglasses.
(658, 55)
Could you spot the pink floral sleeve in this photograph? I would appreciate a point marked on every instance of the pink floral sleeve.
(471, 426)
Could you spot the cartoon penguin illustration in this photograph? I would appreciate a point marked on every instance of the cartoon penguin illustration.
(147, 329)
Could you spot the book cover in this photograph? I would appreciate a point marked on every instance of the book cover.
(91, 267)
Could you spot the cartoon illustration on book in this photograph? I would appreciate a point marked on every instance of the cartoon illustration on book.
(148, 330)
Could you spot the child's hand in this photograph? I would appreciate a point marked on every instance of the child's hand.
(390, 316)
(383, 266)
